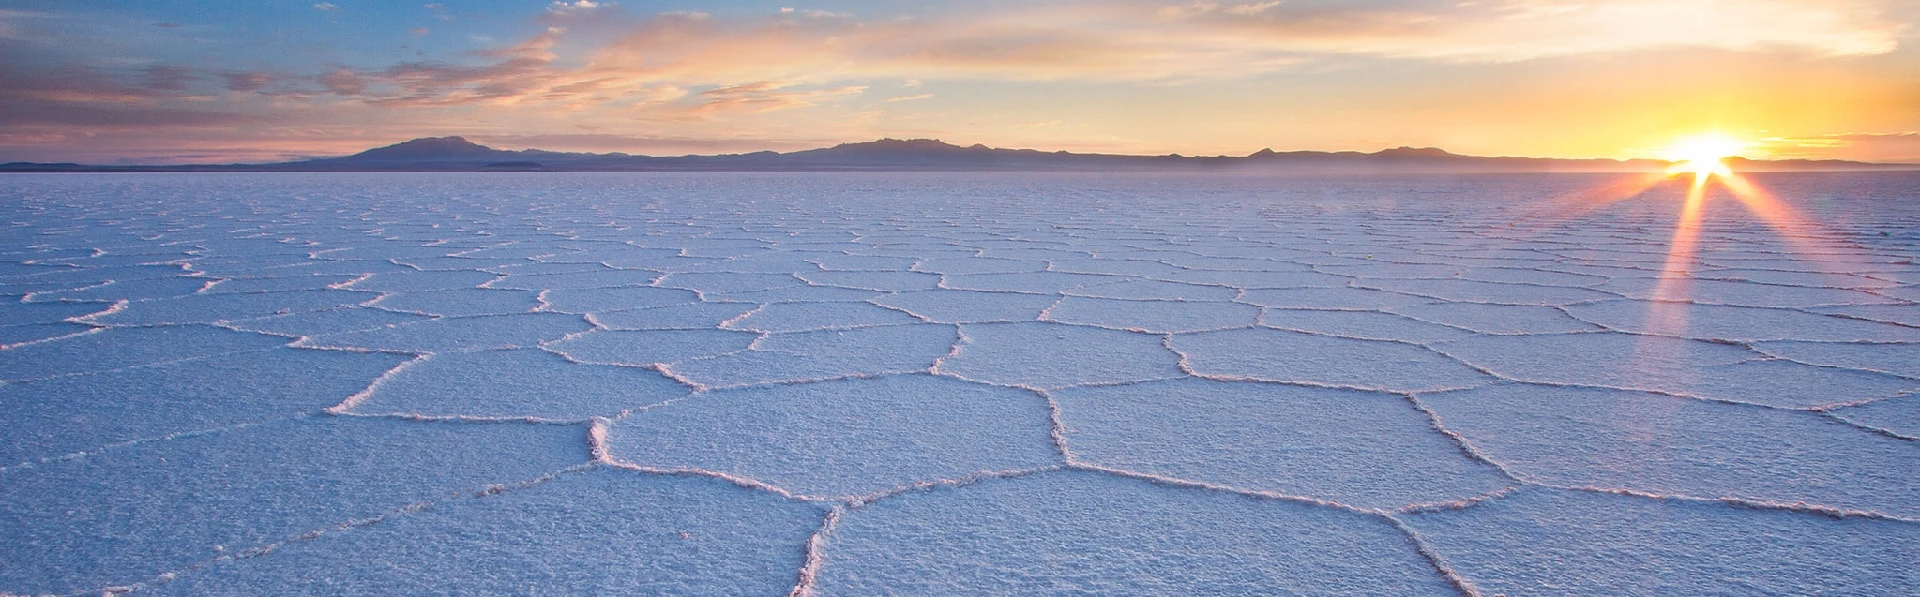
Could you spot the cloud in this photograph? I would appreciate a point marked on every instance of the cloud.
(575, 6)
(767, 96)
(327, 7)
(1146, 41)
(343, 81)
(908, 98)
(168, 78)
(1901, 148)
(245, 81)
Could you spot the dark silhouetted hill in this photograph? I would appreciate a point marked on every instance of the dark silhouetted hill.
(457, 154)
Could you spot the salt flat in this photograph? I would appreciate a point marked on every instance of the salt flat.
(954, 384)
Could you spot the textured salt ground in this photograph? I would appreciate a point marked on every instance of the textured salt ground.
(1365, 449)
(136, 512)
(1074, 531)
(1545, 541)
(844, 438)
(595, 532)
(824, 384)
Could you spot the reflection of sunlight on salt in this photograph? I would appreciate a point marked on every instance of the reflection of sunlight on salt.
(1655, 354)
(1684, 244)
(1560, 209)
(1654, 422)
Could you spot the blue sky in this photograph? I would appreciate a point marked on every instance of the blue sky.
(175, 81)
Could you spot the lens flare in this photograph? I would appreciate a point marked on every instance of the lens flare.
(1703, 155)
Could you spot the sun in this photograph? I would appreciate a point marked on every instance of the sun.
(1702, 155)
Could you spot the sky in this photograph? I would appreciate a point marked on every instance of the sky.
(184, 81)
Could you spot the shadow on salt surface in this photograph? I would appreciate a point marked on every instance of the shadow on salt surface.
(1113, 267)
(1904, 293)
(844, 438)
(1671, 365)
(1899, 415)
(896, 281)
(1907, 315)
(797, 294)
(1668, 445)
(137, 289)
(1052, 355)
(1284, 356)
(977, 265)
(799, 317)
(451, 263)
(461, 333)
(1247, 280)
(1083, 532)
(1380, 270)
(67, 415)
(597, 300)
(1365, 325)
(114, 348)
(729, 282)
(1498, 319)
(1161, 317)
(807, 356)
(597, 532)
(1545, 541)
(964, 306)
(1351, 299)
(18, 313)
(1747, 294)
(20, 289)
(535, 268)
(649, 347)
(695, 316)
(1154, 290)
(1493, 293)
(863, 263)
(65, 276)
(35, 332)
(320, 323)
(1029, 282)
(1363, 449)
(1738, 323)
(576, 280)
(1795, 278)
(1897, 359)
(1788, 384)
(785, 262)
(525, 382)
(1529, 275)
(135, 512)
(424, 280)
(465, 302)
(225, 306)
(276, 284)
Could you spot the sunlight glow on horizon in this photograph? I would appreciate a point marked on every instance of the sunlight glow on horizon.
(1704, 155)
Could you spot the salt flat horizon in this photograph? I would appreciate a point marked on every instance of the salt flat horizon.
(959, 383)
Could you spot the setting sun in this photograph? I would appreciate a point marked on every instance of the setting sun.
(1702, 155)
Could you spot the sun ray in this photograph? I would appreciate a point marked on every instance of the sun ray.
(1677, 272)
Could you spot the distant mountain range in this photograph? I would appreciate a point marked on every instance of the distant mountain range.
(456, 154)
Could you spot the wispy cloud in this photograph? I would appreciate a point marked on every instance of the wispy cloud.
(1901, 147)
